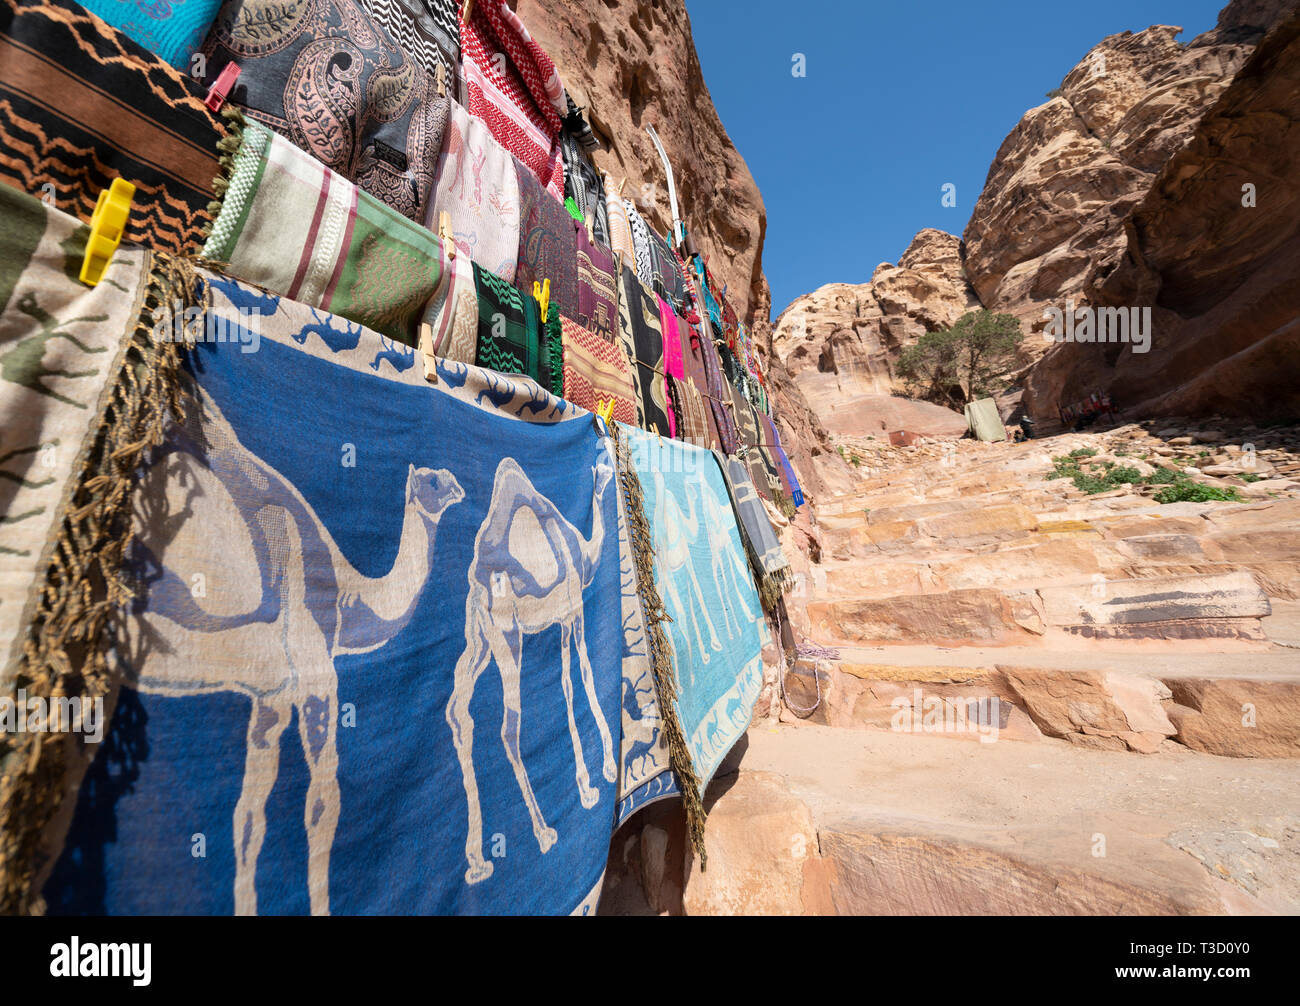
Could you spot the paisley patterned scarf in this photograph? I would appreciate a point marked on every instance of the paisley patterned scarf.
(81, 104)
(327, 76)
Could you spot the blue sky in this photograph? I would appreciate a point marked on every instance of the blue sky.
(899, 98)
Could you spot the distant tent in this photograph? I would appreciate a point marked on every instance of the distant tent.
(983, 420)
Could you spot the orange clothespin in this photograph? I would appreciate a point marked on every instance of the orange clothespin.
(542, 294)
(111, 212)
(445, 235)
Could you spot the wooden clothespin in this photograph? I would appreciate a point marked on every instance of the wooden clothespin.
(621, 182)
(466, 10)
(591, 222)
(445, 235)
(426, 351)
(542, 294)
(442, 81)
(112, 210)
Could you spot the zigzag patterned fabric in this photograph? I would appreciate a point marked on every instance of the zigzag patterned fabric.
(426, 30)
(384, 664)
(82, 104)
(702, 574)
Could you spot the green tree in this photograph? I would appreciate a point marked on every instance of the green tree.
(960, 364)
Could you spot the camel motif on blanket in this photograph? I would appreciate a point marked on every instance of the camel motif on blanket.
(304, 604)
(730, 574)
(529, 571)
(676, 531)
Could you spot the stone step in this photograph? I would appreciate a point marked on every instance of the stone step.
(1220, 605)
(1134, 700)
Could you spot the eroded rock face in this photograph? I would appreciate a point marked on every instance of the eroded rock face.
(1066, 178)
(632, 64)
(840, 341)
(1214, 248)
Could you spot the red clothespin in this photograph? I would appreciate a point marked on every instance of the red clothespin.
(221, 86)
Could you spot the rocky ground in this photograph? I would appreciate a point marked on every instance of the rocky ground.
(1015, 695)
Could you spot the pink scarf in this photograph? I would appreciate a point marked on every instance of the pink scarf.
(674, 366)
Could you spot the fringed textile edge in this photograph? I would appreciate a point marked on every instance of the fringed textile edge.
(643, 550)
(65, 651)
(229, 147)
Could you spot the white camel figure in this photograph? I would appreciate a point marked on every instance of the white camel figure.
(529, 571)
(730, 573)
(288, 602)
(675, 532)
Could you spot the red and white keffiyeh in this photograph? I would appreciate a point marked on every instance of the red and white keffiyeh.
(513, 86)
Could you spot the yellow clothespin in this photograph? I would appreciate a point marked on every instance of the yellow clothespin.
(111, 212)
(605, 410)
(542, 294)
(445, 235)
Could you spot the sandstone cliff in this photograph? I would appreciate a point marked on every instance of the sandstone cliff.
(1124, 189)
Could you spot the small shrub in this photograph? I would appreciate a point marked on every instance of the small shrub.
(1187, 491)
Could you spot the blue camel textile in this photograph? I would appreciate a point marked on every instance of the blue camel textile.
(173, 29)
(380, 633)
(702, 574)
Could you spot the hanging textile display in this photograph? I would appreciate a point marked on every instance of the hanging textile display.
(638, 315)
(697, 379)
(767, 559)
(548, 243)
(583, 184)
(293, 226)
(81, 104)
(717, 629)
(670, 325)
(426, 30)
(597, 295)
(450, 320)
(620, 229)
(718, 392)
(640, 244)
(172, 30)
(796, 493)
(693, 424)
(596, 371)
(467, 567)
(512, 338)
(381, 130)
(85, 387)
(477, 187)
(513, 86)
